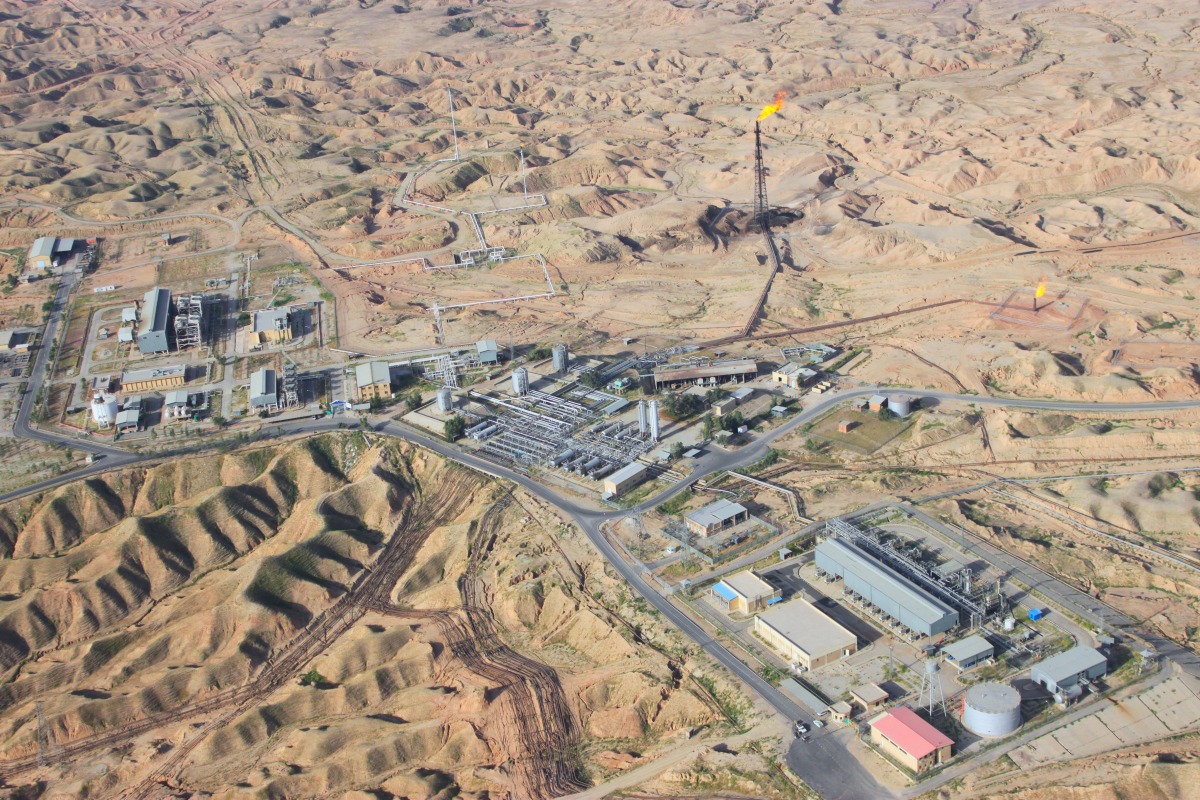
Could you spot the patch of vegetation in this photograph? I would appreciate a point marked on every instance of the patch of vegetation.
(454, 427)
(682, 406)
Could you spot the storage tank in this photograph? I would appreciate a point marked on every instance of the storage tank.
(104, 409)
(520, 381)
(991, 709)
(561, 357)
(445, 399)
(900, 405)
(1010, 623)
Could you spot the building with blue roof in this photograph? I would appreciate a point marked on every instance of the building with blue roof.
(744, 592)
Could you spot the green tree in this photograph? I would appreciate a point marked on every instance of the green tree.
(681, 406)
(413, 400)
(219, 421)
(454, 427)
(707, 426)
(732, 421)
(677, 450)
(590, 379)
(312, 678)
(886, 413)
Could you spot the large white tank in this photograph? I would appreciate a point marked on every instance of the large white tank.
(561, 357)
(991, 709)
(104, 409)
(900, 405)
(520, 381)
(445, 399)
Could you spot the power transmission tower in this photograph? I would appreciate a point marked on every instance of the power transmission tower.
(43, 736)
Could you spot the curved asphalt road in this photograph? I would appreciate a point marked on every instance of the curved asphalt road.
(825, 763)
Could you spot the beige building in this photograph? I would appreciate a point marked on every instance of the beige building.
(869, 697)
(744, 592)
(374, 381)
(624, 479)
(910, 740)
(841, 711)
(794, 376)
(143, 380)
(804, 635)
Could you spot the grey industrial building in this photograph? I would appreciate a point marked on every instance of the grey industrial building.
(487, 351)
(152, 321)
(675, 376)
(724, 513)
(1065, 670)
(968, 652)
(264, 390)
(882, 587)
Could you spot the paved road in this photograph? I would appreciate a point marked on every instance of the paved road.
(824, 762)
(37, 378)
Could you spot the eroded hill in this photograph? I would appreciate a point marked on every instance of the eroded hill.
(455, 637)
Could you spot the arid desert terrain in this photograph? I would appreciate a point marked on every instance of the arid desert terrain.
(932, 162)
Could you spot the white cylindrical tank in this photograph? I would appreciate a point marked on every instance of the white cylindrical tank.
(520, 381)
(900, 405)
(991, 709)
(1010, 623)
(445, 399)
(655, 423)
(561, 357)
(104, 409)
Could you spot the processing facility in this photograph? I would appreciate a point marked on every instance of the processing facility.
(887, 578)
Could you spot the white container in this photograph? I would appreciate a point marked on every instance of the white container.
(520, 381)
(104, 409)
(991, 709)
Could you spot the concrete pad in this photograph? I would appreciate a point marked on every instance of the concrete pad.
(1174, 703)
(1038, 752)
(1087, 737)
(1132, 721)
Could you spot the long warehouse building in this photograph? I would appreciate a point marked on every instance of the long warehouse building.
(885, 588)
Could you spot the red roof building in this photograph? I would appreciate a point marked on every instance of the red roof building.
(910, 740)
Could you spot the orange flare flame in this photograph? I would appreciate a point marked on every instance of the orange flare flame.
(771, 108)
(1041, 287)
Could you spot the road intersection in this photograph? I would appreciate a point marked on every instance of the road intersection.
(825, 762)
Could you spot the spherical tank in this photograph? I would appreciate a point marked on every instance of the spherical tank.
(991, 709)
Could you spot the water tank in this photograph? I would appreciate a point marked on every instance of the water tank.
(520, 381)
(445, 399)
(900, 405)
(561, 357)
(991, 709)
(104, 409)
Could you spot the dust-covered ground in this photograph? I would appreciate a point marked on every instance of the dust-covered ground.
(336, 615)
(925, 152)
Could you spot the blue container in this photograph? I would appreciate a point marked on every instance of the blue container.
(1036, 614)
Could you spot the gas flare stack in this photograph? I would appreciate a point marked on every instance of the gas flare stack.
(762, 210)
